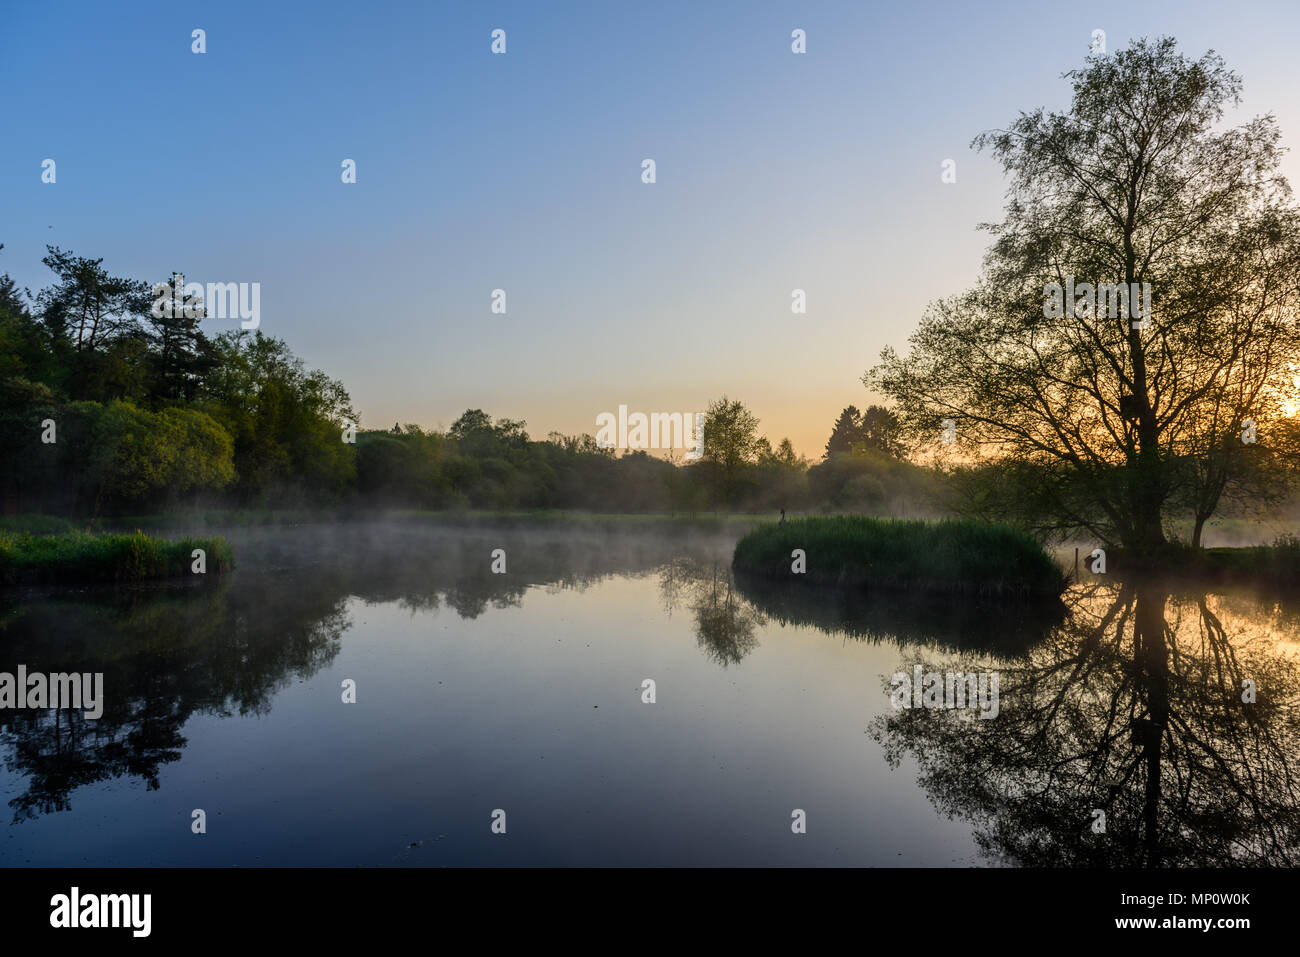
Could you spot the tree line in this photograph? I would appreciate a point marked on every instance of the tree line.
(109, 406)
(1078, 420)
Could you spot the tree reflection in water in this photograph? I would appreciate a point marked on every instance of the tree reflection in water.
(1133, 707)
(724, 621)
(170, 652)
(166, 655)
(1126, 700)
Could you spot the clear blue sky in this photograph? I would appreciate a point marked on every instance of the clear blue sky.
(775, 171)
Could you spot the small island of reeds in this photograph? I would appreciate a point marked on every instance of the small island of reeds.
(83, 558)
(950, 556)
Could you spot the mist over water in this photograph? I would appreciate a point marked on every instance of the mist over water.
(523, 691)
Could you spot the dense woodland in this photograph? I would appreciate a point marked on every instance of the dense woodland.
(107, 408)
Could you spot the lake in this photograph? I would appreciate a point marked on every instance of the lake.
(1136, 724)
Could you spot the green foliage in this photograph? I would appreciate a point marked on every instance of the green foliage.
(82, 557)
(287, 422)
(947, 556)
(876, 430)
(410, 468)
(872, 481)
(134, 452)
(86, 306)
(35, 525)
(153, 415)
(201, 452)
(730, 444)
(125, 461)
(117, 454)
(149, 412)
(846, 433)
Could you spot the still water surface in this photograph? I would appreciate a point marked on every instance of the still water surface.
(523, 692)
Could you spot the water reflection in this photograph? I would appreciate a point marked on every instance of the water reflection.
(724, 621)
(729, 607)
(1134, 708)
(1125, 699)
(166, 654)
(228, 646)
(955, 624)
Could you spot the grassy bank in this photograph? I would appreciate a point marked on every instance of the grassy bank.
(1277, 564)
(78, 557)
(559, 518)
(198, 519)
(950, 556)
(35, 525)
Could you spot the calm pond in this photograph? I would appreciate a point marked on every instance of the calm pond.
(1119, 737)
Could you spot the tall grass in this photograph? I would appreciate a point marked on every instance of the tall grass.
(959, 556)
(35, 524)
(82, 557)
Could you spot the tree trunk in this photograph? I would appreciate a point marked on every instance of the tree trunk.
(1196, 530)
(1148, 528)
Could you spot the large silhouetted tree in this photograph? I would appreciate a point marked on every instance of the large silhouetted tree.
(1121, 414)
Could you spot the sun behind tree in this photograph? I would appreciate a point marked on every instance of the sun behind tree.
(1117, 422)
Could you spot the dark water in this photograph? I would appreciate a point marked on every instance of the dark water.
(522, 692)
